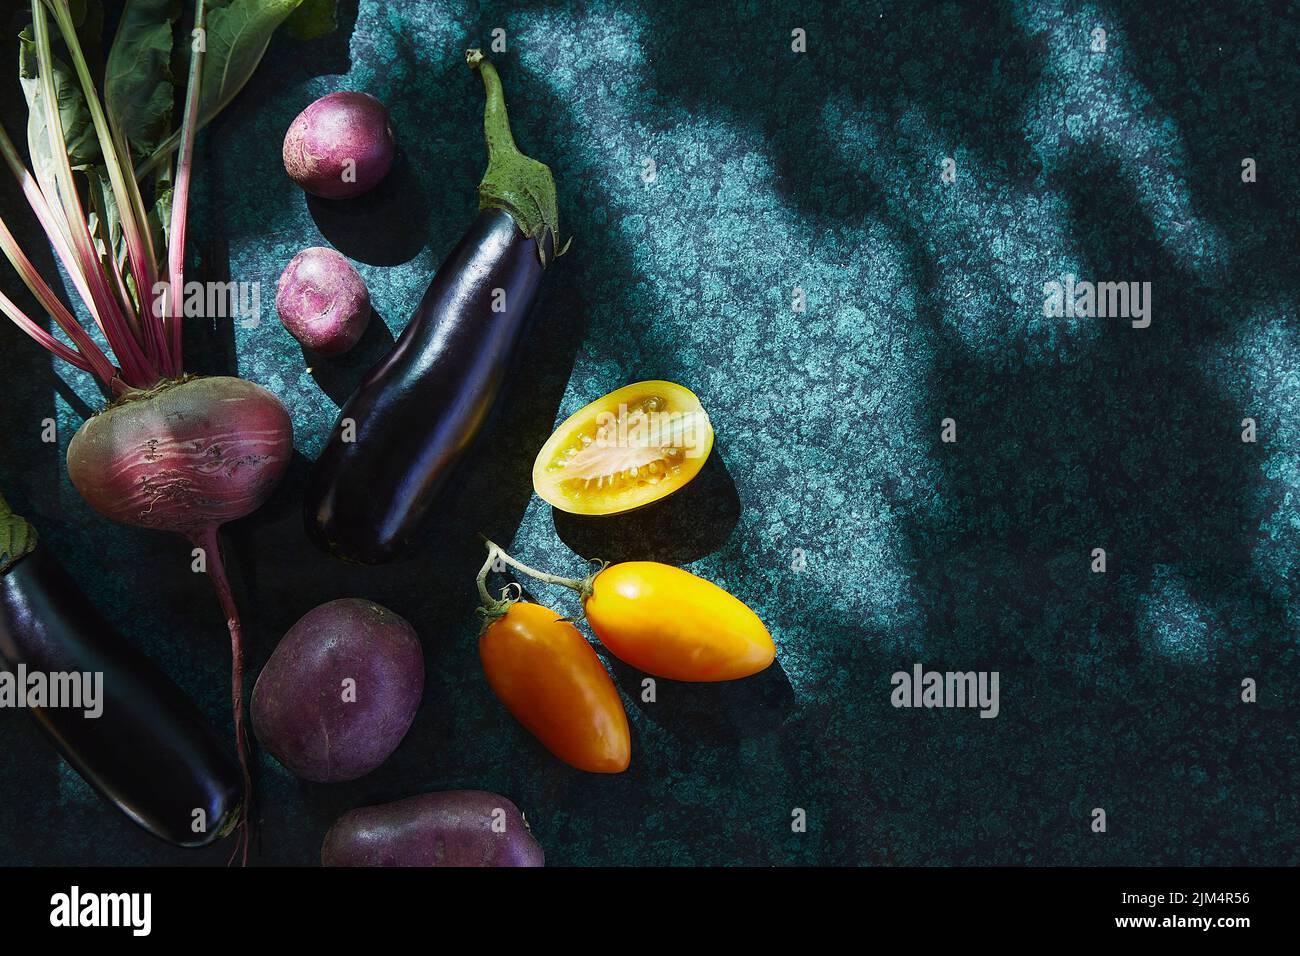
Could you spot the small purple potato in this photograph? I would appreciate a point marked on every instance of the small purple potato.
(340, 691)
(323, 301)
(340, 146)
(452, 828)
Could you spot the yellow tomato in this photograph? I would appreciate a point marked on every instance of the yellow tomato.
(548, 676)
(671, 623)
(632, 447)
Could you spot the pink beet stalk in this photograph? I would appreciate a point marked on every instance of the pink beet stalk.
(210, 541)
(181, 194)
(109, 312)
(133, 227)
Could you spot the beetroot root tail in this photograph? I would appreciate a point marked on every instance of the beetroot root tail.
(209, 540)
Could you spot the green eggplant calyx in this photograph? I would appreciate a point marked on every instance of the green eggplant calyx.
(515, 183)
(17, 537)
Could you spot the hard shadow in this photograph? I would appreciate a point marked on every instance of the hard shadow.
(1238, 90)
(1129, 447)
(324, 56)
(209, 343)
(685, 526)
(1130, 444)
(338, 376)
(710, 714)
(386, 226)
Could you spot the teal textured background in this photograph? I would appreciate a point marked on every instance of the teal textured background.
(821, 171)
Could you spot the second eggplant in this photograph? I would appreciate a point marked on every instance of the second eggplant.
(399, 436)
(149, 751)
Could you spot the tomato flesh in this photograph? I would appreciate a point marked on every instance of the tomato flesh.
(625, 450)
(674, 624)
(551, 680)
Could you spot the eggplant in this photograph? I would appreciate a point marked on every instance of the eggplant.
(399, 436)
(149, 752)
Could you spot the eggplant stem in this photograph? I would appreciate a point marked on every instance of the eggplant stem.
(513, 182)
(209, 540)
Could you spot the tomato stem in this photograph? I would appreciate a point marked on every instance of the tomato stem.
(494, 608)
(481, 580)
(495, 550)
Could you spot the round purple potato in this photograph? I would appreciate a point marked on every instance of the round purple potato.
(340, 691)
(340, 146)
(323, 301)
(452, 828)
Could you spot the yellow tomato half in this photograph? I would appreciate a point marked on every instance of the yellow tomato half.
(671, 623)
(634, 446)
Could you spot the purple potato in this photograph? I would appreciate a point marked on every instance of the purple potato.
(323, 301)
(452, 828)
(340, 691)
(339, 147)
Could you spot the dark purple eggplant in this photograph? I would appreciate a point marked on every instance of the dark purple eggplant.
(149, 752)
(400, 435)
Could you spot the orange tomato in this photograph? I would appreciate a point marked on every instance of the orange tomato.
(671, 623)
(551, 680)
(627, 449)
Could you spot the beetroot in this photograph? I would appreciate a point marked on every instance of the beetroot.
(340, 691)
(185, 457)
(340, 146)
(453, 828)
(323, 301)
(189, 456)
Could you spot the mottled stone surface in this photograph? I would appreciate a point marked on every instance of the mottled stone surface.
(822, 171)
